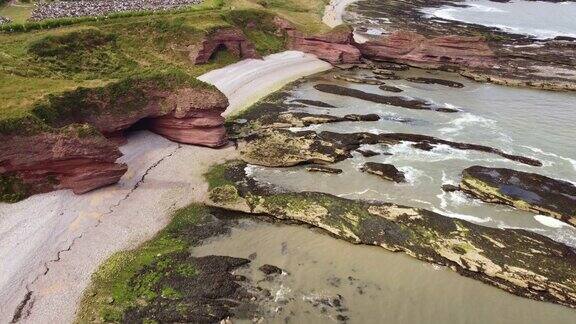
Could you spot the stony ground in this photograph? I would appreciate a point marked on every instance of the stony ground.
(62, 9)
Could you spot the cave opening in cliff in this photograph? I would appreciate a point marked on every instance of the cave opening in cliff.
(221, 51)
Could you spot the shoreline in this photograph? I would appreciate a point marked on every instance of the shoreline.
(61, 248)
(333, 16)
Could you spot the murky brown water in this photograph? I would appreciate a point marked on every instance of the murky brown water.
(376, 286)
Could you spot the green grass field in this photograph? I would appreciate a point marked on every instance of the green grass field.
(37, 59)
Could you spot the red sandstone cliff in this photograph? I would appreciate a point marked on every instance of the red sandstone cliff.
(335, 47)
(64, 159)
(417, 50)
(231, 39)
(71, 153)
(186, 115)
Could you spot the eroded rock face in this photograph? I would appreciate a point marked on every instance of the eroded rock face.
(527, 191)
(66, 159)
(68, 150)
(232, 40)
(335, 47)
(195, 117)
(518, 261)
(435, 52)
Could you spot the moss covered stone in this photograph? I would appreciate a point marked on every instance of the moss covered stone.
(160, 281)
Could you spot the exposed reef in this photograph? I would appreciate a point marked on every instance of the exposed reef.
(527, 191)
(387, 100)
(517, 261)
(279, 147)
(479, 52)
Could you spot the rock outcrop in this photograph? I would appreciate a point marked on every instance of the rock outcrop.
(335, 46)
(283, 148)
(417, 50)
(518, 261)
(385, 171)
(63, 144)
(232, 40)
(75, 157)
(527, 191)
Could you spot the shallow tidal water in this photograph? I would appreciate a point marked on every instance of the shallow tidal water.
(536, 18)
(532, 123)
(375, 286)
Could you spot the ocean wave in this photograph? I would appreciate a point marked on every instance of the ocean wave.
(550, 154)
(550, 221)
(468, 120)
(470, 218)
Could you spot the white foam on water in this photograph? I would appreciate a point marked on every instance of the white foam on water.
(469, 218)
(537, 19)
(412, 174)
(375, 31)
(440, 152)
(358, 193)
(467, 120)
(550, 221)
(539, 151)
(282, 294)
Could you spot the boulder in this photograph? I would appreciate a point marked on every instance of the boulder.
(527, 191)
(385, 171)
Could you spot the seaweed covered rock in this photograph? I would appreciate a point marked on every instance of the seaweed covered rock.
(274, 148)
(385, 171)
(527, 191)
(281, 147)
(518, 261)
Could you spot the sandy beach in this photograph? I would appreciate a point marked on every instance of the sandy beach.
(334, 11)
(62, 238)
(248, 81)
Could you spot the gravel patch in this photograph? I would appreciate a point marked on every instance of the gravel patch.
(4, 20)
(64, 9)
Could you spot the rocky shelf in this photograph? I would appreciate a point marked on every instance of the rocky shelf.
(527, 191)
(520, 262)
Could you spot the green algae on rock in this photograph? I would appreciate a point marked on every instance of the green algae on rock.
(281, 147)
(521, 262)
(527, 191)
(161, 282)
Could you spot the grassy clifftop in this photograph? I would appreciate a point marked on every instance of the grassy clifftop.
(58, 56)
